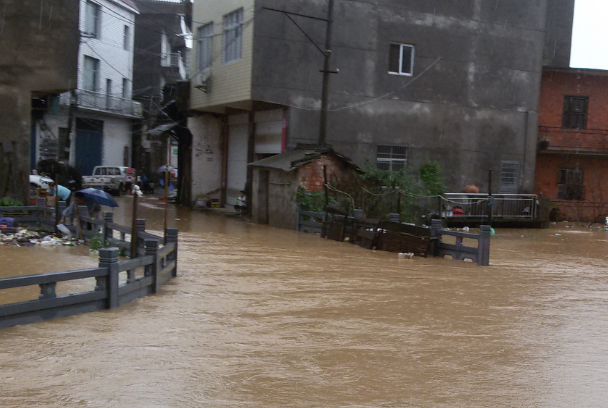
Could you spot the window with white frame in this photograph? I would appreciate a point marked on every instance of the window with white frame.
(233, 36)
(91, 74)
(392, 158)
(401, 59)
(126, 40)
(92, 19)
(205, 46)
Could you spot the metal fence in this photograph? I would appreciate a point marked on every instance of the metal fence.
(504, 206)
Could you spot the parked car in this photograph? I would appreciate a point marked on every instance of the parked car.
(113, 179)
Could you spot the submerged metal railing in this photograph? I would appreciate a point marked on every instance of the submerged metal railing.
(156, 265)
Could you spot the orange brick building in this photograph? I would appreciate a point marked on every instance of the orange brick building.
(572, 158)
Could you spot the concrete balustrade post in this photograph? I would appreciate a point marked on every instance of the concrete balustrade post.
(151, 249)
(47, 290)
(436, 227)
(172, 237)
(140, 227)
(484, 245)
(358, 214)
(40, 213)
(83, 211)
(108, 258)
(108, 233)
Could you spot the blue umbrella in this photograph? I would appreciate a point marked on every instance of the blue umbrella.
(100, 196)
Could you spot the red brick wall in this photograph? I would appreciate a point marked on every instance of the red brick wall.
(595, 181)
(338, 172)
(555, 85)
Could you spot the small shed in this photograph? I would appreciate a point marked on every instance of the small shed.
(276, 180)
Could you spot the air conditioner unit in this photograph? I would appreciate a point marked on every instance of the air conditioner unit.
(202, 80)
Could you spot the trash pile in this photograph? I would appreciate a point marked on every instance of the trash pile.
(21, 237)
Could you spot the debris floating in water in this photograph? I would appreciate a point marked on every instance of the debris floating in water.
(21, 237)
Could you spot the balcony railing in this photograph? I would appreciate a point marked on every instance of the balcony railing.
(104, 103)
(554, 140)
(175, 61)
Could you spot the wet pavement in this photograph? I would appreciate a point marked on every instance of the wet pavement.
(261, 317)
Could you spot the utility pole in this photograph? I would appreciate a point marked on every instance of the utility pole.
(327, 60)
(326, 73)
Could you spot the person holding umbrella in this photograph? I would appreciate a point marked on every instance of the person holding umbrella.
(80, 199)
(92, 198)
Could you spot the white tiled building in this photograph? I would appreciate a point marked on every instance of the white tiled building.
(102, 109)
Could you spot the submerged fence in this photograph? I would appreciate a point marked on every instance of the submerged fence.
(394, 236)
(116, 282)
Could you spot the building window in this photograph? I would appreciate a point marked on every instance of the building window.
(125, 88)
(392, 158)
(575, 112)
(509, 176)
(92, 17)
(233, 36)
(126, 40)
(205, 46)
(91, 74)
(570, 185)
(401, 59)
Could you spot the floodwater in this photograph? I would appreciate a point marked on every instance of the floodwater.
(261, 317)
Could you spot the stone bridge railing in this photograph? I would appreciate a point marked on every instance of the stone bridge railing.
(458, 251)
(116, 282)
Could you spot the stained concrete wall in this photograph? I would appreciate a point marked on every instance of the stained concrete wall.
(558, 42)
(39, 48)
(206, 156)
(471, 103)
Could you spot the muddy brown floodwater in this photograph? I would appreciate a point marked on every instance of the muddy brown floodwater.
(261, 317)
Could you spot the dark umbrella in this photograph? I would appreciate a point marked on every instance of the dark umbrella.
(100, 196)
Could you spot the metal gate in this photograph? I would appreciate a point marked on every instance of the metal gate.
(89, 145)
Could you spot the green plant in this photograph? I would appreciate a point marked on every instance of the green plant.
(10, 202)
(96, 243)
(403, 191)
(430, 174)
(312, 200)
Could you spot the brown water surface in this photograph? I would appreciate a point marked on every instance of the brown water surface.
(261, 317)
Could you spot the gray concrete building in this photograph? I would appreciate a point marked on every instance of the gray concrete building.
(453, 81)
(39, 48)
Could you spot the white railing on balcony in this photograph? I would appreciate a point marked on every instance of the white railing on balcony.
(104, 102)
(175, 60)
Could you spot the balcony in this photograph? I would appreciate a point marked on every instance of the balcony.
(554, 140)
(174, 66)
(96, 101)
